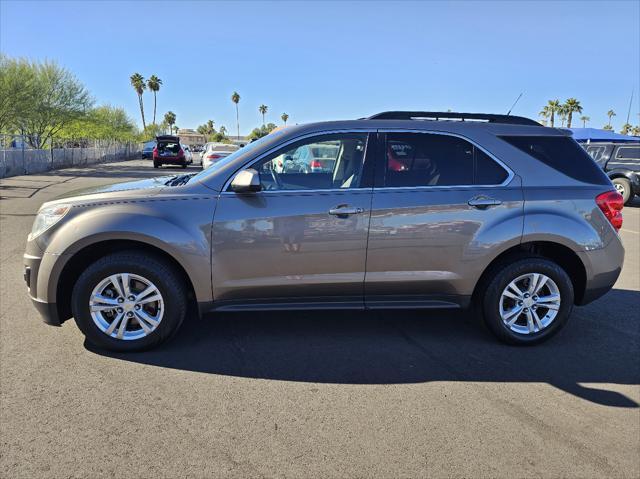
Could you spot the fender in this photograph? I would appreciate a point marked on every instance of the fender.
(181, 228)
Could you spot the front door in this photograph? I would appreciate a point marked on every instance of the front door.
(303, 238)
(441, 207)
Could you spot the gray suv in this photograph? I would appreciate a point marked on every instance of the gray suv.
(418, 210)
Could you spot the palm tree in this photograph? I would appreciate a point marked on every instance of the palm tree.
(223, 130)
(571, 106)
(562, 113)
(170, 119)
(607, 127)
(626, 128)
(235, 98)
(154, 83)
(635, 131)
(584, 119)
(263, 109)
(176, 127)
(210, 128)
(546, 113)
(552, 107)
(285, 117)
(610, 114)
(138, 84)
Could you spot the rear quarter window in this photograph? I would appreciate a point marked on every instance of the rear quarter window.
(563, 154)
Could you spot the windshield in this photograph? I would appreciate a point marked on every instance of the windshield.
(232, 157)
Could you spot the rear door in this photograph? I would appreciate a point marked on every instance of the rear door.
(441, 206)
(303, 237)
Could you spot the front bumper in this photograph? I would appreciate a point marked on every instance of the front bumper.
(48, 311)
(634, 179)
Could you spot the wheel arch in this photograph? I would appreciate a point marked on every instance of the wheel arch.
(89, 253)
(562, 255)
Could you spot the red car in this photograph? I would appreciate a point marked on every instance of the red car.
(169, 151)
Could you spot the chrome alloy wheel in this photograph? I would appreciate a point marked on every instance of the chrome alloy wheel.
(126, 306)
(619, 188)
(529, 303)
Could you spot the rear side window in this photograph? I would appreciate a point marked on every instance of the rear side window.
(488, 172)
(562, 154)
(425, 159)
(628, 153)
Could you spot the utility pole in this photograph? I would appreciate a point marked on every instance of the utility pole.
(629, 111)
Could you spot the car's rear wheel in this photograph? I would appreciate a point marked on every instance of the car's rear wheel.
(527, 301)
(623, 186)
(184, 165)
(129, 301)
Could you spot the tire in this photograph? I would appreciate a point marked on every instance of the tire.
(184, 165)
(156, 165)
(623, 186)
(170, 310)
(520, 333)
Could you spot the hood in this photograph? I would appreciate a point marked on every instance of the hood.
(150, 186)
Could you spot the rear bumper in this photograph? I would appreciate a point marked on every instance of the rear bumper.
(171, 161)
(603, 266)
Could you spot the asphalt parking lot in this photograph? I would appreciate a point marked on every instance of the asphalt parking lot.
(384, 394)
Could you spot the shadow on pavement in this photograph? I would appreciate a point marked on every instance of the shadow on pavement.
(394, 347)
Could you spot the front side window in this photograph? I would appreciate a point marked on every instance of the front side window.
(326, 162)
(426, 159)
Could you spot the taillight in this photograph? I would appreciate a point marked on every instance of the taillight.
(611, 203)
(155, 152)
(180, 153)
(316, 164)
(213, 157)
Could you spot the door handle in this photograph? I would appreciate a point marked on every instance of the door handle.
(483, 202)
(345, 210)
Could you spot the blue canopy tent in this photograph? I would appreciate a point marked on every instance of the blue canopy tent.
(595, 134)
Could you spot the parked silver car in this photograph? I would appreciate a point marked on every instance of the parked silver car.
(415, 212)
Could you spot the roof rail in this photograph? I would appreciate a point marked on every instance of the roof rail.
(449, 115)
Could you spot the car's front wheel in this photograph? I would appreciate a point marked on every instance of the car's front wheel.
(129, 301)
(527, 301)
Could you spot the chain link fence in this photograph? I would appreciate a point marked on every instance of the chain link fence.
(18, 157)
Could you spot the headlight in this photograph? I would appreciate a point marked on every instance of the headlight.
(46, 218)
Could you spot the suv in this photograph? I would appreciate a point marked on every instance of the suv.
(169, 151)
(494, 211)
(147, 149)
(621, 162)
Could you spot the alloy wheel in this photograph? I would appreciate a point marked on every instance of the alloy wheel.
(529, 303)
(126, 306)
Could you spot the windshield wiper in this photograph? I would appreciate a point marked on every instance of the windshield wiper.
(179, 180)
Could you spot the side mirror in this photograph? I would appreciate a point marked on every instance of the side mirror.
(246, 181)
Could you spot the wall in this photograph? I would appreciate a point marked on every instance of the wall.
(16, 161)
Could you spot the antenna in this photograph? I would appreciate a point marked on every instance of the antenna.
(630, 101)
(514, 104)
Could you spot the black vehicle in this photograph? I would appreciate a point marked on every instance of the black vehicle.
(147, 149)
(621, 162)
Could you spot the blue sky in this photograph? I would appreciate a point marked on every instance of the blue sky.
(336, 60)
